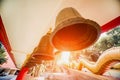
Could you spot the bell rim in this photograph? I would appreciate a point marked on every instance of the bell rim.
(73, 21)
(51, 56)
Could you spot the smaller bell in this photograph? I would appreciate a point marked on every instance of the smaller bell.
(44, 50)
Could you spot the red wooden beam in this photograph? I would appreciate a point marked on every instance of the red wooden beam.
(5, 41)
(114, 23)
(22, 73)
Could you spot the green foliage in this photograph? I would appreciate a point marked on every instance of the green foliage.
(111, 39)
(3, 58)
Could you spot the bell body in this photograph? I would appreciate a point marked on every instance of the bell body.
(73, 32)
(44, 50)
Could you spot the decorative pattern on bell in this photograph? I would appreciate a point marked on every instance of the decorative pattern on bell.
(73, 32)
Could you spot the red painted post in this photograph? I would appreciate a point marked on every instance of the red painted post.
(22, 73)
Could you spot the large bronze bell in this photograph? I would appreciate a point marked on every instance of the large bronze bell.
(73, 32)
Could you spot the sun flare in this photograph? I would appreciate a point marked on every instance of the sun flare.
(64, 58)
